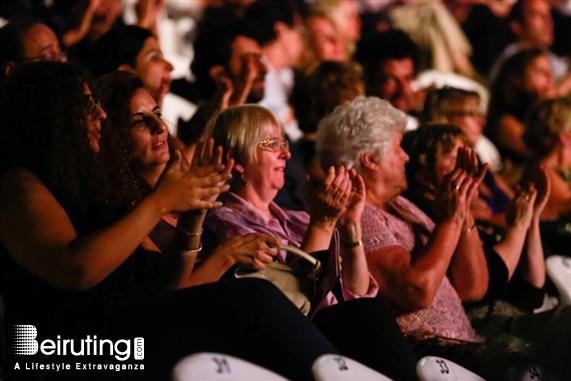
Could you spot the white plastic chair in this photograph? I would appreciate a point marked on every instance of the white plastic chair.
(208, 366)
(432, 368)
(558, 269)
(332, 367)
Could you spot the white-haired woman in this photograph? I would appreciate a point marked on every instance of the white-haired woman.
(360, 327)
(425, 268)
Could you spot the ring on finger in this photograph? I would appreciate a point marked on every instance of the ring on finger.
(456, 187)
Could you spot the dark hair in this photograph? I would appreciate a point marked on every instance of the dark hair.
(516, 11)
(44, 130)
(322, 88)
(505, 98)
(116, 90)
(421, 146)
(545, 123)
(212, 46)
(261, 16)
(376, 48)
(120, 45)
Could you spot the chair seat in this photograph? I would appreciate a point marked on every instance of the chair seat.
(432, 368)
(558, 269)
(332, 367)
(206, 366)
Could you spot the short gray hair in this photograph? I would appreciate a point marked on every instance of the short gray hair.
(363, 125)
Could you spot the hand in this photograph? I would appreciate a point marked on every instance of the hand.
(197, 188)
(327, 198)
(467, 160)
(540, 180)
(480, 209)
(250, 250)
(520, 210)
(450, 203)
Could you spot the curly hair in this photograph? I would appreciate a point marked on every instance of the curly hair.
(363, 125)
(116, 90)
(546, 122)
(44, 130)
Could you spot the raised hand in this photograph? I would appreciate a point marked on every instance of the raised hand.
(251, 250)
(520, 210)
(451, 199)
(327, 198)
(357, 199)
(195, 188)
(539, 178)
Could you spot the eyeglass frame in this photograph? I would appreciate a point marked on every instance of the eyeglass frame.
(283, 143)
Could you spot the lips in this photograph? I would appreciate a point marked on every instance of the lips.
(159, 145)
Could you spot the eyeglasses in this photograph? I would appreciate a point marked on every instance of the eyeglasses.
(58, 56)
(92, 103)
(274, 144)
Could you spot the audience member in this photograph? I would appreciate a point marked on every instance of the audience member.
(461, 108)
(548, 135)
(256, 140)
(322, 42)
(532, 23)
(72, 261)
(516, 263)
(228, 68)
(26, 39)
(137, 50)
(523, 80)
(346, 19)
(275, 26)
(390, 61)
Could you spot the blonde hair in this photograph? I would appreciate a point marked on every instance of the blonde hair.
(239, 129)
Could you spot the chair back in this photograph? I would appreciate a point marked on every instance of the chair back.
(332, 367)
(432, 368)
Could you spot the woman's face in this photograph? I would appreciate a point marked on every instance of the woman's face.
(446, 161)
(325, 40)
(148, 131)
(267, 171)
(468, 118)
(95, 116)
(392, 172)
(537, 79)
(154, 70)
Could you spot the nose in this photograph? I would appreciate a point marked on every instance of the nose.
(285, 153)
(99, 112)
(158, 126)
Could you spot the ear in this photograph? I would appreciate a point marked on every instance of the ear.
(216, 72)
(239, 168)
(125, 67)
(370, 161)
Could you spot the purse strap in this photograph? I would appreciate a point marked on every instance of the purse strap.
(302, 254)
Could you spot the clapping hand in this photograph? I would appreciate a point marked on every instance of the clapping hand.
(328, 198)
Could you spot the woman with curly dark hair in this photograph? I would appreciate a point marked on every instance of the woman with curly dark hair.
(73, 266)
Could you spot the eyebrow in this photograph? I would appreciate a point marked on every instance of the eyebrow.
(142, 113)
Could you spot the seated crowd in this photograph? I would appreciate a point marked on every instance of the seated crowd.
(132, 200)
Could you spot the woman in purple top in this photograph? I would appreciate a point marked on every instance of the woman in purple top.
(361, 327)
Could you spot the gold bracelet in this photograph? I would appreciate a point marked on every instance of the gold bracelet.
(189, 234)
(193, 251)
(352, 245)
(469, 230)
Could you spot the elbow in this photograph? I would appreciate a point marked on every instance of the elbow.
(420, 294)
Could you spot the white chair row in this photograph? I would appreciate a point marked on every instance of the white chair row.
(220, 367)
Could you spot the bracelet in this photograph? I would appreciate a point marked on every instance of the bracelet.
(352, 245)
(469, 230)
(193, 251)
(189, 234)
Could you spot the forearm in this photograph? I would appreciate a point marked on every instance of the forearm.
(468, 268)
(355, 271)
(532, 266)
(510, 248)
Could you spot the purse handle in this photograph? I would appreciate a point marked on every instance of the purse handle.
(300, 253)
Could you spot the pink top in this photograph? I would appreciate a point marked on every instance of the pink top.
(408, 226)
(238, 217)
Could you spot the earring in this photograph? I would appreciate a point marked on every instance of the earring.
(243, 181)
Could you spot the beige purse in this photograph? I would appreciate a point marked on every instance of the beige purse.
(297, 281)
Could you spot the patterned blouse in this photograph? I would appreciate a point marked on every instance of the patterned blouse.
(409, 227)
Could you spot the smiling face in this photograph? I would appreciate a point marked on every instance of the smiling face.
(324, 39)
(95, 116)
(266, 172)
(148, 131)
(153, 69)
(394, 82)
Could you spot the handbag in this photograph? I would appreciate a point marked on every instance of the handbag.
(297, 281)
